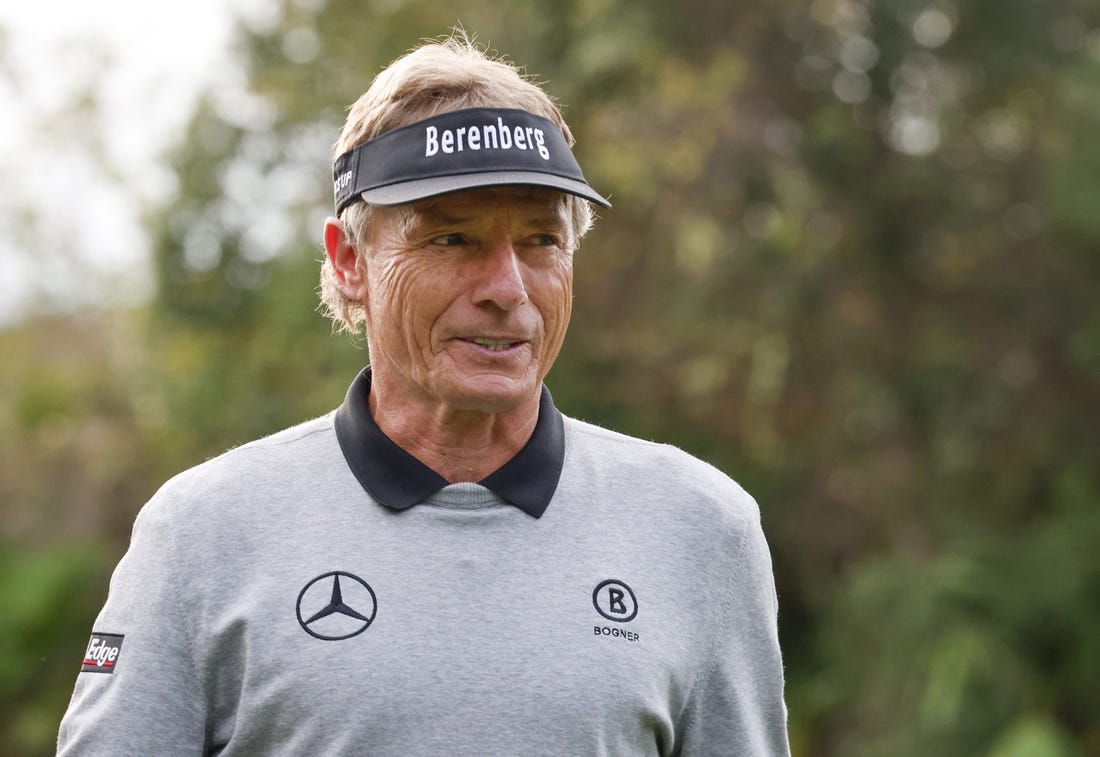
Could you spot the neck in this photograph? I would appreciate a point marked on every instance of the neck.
(460, 445)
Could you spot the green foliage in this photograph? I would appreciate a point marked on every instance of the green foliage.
(50, 598)
(851, 261)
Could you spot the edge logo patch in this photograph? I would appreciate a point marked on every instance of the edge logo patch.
(102, 654)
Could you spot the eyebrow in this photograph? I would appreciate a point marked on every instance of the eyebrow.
(547, 220)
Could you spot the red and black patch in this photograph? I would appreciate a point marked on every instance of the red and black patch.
(103, 652)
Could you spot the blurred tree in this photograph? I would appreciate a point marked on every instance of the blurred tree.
(851, 262)
(73, 466)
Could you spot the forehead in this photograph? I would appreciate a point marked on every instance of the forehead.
(535, 202)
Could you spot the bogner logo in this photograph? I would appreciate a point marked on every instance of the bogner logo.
(102, 654)
(615, 601)
(336, 605)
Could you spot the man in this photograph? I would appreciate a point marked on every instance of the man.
(445, 564)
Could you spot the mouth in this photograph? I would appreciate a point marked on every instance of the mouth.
(494, 345)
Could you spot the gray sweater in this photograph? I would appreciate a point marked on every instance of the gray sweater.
(268, 605)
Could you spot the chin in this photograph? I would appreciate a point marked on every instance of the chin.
(492, 396)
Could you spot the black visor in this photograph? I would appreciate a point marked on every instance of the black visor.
(465, 149)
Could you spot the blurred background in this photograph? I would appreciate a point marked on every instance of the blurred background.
(853, 262)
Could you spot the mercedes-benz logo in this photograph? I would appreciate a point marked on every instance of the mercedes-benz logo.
(331, 609)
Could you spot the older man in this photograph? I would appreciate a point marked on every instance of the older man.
(445, 564)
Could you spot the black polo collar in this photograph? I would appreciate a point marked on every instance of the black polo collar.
(398, 480)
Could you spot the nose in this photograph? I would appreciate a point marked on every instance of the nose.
(500, 279)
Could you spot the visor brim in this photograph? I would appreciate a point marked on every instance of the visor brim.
(423, 189)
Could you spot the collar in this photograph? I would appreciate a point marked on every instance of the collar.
(398, 480)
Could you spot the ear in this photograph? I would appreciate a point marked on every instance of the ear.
(344, 258)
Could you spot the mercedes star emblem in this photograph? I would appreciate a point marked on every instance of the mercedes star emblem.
(333, 609)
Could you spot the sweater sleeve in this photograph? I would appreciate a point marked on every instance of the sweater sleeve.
(736, 705)
(151, 701)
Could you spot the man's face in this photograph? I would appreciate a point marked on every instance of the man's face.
(468, 297)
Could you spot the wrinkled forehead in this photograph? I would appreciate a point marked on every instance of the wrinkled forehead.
(534, 205)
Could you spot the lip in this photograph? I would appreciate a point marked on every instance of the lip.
(493, 343)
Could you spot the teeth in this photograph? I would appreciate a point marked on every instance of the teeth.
(495, 345)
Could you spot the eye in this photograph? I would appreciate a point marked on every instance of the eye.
(450, 240)
(544, 240)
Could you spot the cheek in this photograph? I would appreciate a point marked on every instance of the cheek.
(399, 302)
(555, 294)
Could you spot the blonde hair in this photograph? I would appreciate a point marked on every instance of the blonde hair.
(437, 77)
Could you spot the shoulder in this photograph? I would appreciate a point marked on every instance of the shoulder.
(655, 461)
(297, 446)
(260, 470)
(661, 480)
